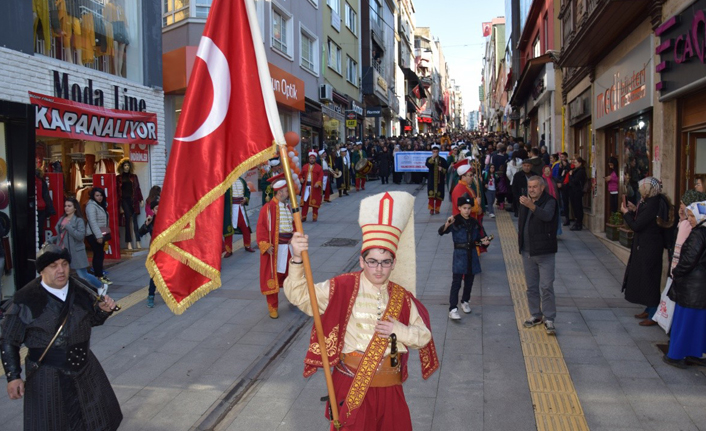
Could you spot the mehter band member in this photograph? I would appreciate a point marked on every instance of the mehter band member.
(312, 175)
(275, 226)
(65, 387)
(436, 180)
(361, 310)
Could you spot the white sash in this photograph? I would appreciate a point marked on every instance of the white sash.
(282, 257)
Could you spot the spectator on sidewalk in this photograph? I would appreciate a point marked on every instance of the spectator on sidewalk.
(577, 182)
(688, 333)
(536, 162)
(700, 183)
(643, 273)
(612, 183)
(539, 215)
(71, 230)
(563, 184)
(519, 184)
(684, 226)
(98, 231)
(145, 229)
(466, 233)
(490, 182)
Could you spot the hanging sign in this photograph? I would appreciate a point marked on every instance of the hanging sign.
(61, 118)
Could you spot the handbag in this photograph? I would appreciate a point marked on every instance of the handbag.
(665, 310)
(106, 233)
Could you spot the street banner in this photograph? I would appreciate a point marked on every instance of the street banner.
(486, 29)
(414, 161)
(62, 118)
(228, 125)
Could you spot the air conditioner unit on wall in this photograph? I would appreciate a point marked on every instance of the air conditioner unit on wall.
(326, 92)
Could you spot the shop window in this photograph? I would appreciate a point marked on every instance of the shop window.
(308, 51)
(351, 71)
(351, 19)
(98, 34)
(334, 56)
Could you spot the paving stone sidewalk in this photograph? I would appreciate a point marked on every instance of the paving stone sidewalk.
(482, 384)
(168, 370)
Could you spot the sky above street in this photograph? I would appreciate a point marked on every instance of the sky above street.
(458, 25)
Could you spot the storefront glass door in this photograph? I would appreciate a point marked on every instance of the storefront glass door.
(7, 277)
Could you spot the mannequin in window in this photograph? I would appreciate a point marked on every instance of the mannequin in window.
(129, 200)
(114, 12)
(70, 25)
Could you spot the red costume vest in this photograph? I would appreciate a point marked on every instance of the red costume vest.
(342, 296)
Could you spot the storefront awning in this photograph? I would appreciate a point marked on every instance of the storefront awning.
(529, 74)
(61, 118)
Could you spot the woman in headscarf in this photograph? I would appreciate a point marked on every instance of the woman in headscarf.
(688, 337)
(684, 226)
(643, 273)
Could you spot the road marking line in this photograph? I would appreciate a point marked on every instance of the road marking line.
(556, 404)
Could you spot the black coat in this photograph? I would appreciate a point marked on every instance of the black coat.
(384, 163)
(51, 394)
(542, 233)
(689, 286)
(643, 275)
(577, 180)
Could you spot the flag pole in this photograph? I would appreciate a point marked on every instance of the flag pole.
(310, 285)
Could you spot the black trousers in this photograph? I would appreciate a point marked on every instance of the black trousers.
(577, 206)
(456, 286)
(98, 255)
(564, 194)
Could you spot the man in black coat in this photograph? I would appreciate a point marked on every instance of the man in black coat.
(519, 184)
(537, 227)
(65, 388)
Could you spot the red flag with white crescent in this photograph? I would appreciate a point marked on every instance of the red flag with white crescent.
(228, 124)
(486, 29)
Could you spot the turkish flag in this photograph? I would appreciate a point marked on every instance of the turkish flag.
(486, 29)
(228, 125)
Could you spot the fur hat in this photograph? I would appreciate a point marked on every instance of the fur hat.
(387, 221)
(50, 253)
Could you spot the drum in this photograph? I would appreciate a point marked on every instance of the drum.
(363, 167)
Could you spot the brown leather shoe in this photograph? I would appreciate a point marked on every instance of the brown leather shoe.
(648, 322)
(249, 249)
(642, 315)
(227, 255)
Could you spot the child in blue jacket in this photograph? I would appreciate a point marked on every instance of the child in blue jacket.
(467, 235)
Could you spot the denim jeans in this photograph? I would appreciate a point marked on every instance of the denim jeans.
(83, 273)
(490, 201)
(456, 286)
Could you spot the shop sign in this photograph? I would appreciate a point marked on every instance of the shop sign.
(333, 110)
(626, 88)
(373, 111)
(289, 90)
(61, 118)
(90, 96)
(382, 83)
(580, 107)
(682, 51)
(351, 124)
(355, 107)
(350, 115)
(139, 153)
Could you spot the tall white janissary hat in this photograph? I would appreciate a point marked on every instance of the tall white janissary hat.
(387, 221)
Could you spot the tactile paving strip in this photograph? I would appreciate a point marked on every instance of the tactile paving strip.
(556, 405)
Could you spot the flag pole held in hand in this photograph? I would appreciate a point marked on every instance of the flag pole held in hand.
(310, 285)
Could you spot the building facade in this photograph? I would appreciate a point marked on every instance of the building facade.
(101, 59)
